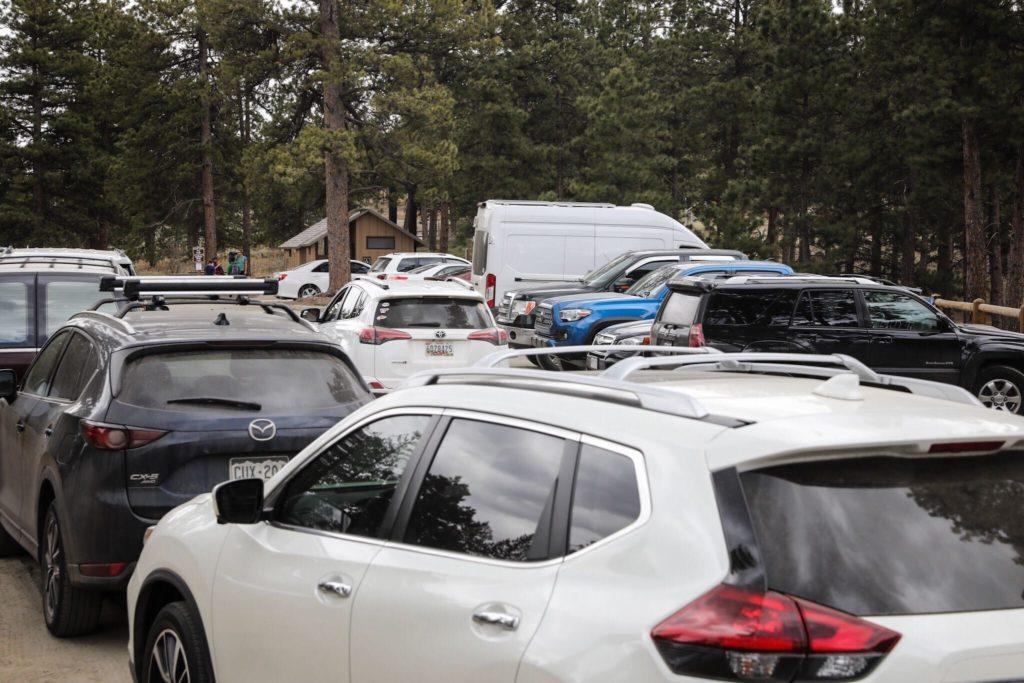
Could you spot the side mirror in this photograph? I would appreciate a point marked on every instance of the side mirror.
(239, 501)
(8, 385)
(622, 284)
(311, 314)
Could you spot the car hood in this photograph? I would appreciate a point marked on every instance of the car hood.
(636, 328)
(983, 333)
(592, 298)
(549, 290)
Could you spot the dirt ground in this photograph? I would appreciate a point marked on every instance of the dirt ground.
(29, 654)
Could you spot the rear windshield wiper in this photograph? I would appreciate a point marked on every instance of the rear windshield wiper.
(424, 325)
(211, 400)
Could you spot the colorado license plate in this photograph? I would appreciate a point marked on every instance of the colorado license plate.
(442, 349)
(255, 468)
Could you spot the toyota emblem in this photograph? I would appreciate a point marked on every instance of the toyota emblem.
(440, 334)
(262, 430)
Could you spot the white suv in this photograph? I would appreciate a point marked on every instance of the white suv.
(402, 262)
(745, 517)
(393, 329)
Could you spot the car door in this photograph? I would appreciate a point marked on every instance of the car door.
(321, 276)
(458, 594)
(23, 427)
(342, 321)
(828, 321)
(284, 589)
(909, 338)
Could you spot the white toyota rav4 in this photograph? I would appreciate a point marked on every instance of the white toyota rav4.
(736, 517)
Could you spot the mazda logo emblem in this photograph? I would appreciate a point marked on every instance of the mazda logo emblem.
(262, 430)
(440, 334)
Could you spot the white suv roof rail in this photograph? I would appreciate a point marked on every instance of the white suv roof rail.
(702, 359)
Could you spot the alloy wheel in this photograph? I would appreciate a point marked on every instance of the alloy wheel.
(52, 560)
(308, 291)
(1000, 394)
(168, 662)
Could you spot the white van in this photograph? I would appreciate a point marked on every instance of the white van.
(519, 242)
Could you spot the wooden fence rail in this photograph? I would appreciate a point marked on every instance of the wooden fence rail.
(980, 312)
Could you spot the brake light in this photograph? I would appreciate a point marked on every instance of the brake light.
(116, 437)
(380, 335)
(493, 335)
(490, 283)
(281, 276)
(382, 276)
(696, 335)
(966, 446)
(733, 633)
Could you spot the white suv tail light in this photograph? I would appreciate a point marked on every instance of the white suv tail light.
(737, 634)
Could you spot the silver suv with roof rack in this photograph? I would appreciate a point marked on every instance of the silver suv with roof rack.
(700, 516)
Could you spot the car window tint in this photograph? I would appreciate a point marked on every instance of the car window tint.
(359, 267)
(351, 302)
(431, 312)
(227, 381)
(827, 308)
(893, 311)
(347, 489)
(647, 268)
(323, 268)
(680, 309)
(652, 282)
(487, 492)
(380, 264)
(38, 379)
(334, 309)
(408, 264)
(15, 315)
(761, 308)
(605, 498)
(76, 367)
(64, 299)
(893, 535)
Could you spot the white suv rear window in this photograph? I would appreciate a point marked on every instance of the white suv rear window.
(440, 312)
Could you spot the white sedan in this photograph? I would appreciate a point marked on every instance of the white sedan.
(770, 517)
(310, 279)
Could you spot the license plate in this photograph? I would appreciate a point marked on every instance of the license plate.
(440, 349)
(255, 468)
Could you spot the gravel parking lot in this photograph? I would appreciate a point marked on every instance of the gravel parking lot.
(28, 653)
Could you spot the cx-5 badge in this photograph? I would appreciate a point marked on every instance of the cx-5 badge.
(262, 430)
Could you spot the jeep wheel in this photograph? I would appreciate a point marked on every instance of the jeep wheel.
(176, 651)
(67, 610)
(307, 291)
(1000, 388)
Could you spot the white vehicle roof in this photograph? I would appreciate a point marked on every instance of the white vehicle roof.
(417, 254)
(419, 287)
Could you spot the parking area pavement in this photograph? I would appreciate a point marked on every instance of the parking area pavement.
(29, 654)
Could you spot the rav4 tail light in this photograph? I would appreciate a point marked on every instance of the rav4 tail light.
(490, 283)
(115, 437)
(379, 335)
(696, 335)
(494, 335)
(737, 634)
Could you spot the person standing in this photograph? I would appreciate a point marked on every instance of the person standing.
(211, 267)
(217, 268)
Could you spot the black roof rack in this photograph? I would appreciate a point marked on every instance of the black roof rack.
(24, 260)
(135, 288)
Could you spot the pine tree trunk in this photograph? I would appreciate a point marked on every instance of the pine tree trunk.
(392, 205)
(206, 142)
(944, 257)
(876, 249)
(246, 197)
(770, 236)
(995, 251)
(446, 217)
(410, 210)
(1015, 270)
(432, 228)
(975, 261)
(335, 165)
(908, 241)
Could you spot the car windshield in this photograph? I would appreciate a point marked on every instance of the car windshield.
(827, 532)
(652, 282)
(380, 264)
(606, 273)
(433, 312)
(281, 381)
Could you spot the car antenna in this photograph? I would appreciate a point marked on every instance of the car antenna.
(222, 319)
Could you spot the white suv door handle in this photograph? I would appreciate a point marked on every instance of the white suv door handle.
(509, 622)
(336, 587)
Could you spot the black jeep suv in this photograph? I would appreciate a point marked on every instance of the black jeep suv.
(123, 417)
(890, 329)
(515, 312)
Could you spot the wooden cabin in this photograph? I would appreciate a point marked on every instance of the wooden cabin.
(370, 235)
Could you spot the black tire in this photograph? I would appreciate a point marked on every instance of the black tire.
(68, 611)
(175, 638)
(8, 546)
(549, 362)
(1001, 387)
(307, 291)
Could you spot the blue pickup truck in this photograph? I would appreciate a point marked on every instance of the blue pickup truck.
(576, 319)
